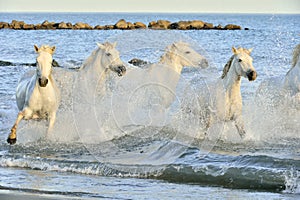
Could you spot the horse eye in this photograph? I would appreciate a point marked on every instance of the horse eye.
(240, 60)
(187, 52)
(108, 54)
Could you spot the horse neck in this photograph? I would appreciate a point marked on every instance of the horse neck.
(92, 66)
(172, 60)
(232, 82)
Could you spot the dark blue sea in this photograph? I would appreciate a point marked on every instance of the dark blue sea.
(168, 161)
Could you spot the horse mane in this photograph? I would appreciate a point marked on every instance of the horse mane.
(228, 64)
(296, 56)
(91, 58)
(227, 67)
(169, 51)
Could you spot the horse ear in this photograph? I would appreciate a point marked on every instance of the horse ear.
(53, 49)
(250, 50)
(114, 44)
(100, 45)
(234, 50)
(36, 48)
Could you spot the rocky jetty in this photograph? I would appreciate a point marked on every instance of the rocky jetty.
(138, 62)
(7, 63)
(122, 24)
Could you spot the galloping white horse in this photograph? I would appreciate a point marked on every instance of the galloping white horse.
(168, 70)
(100, 63)
(239, 65)
(292, 78)
(37, 94)
(107, 56)
(149, 92)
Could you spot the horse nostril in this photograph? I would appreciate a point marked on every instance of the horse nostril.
(122, 69)
(251, 75)
(204, 63)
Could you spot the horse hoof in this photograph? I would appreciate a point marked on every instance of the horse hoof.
(11, 141)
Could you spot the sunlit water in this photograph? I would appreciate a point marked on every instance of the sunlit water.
(124, 145)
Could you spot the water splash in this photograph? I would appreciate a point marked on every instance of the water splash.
(292, 181)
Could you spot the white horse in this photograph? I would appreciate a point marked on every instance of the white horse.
(150, 91)
(221, 100)
(292, 78)
(167, 72)
(97, 67)
(83, 91)
(239, 65)
(37, 94)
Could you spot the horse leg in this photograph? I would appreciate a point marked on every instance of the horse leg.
(12, 138)
(239, 124)
(52, 118)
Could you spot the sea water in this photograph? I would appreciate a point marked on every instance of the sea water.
(170, 158)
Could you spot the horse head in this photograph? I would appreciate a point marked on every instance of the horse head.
(187, 55)
(44, 63)
(241, 63)
(110, 58)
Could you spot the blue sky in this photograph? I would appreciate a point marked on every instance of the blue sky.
(211, 6)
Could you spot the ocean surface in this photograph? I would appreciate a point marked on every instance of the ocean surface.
(154, 155)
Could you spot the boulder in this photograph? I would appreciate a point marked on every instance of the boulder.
(208, 26)
(6, 63)
(121, 24)
(151, 23)
(219, 27)
(28, 26)
(63, 25)
(130, 25)
(138, 62)
(232, 27)
(47, 25)
(181, 25)
(55, 63)
(69, 25)
(4, 25)
(109, 27)
(159, 24)
(98, 27)
(38, 26)
(16, 24)
(186, 25)
(196, 24)
(80, 25)
(140, 25)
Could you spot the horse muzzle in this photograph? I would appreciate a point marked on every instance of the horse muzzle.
(121, 70)
(43, 82)
(251, 75)
(204, 63)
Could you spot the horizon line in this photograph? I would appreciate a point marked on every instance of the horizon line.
(154, 12)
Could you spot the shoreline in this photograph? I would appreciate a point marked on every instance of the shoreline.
(24, 195)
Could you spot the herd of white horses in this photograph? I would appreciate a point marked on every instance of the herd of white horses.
(38, 94)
